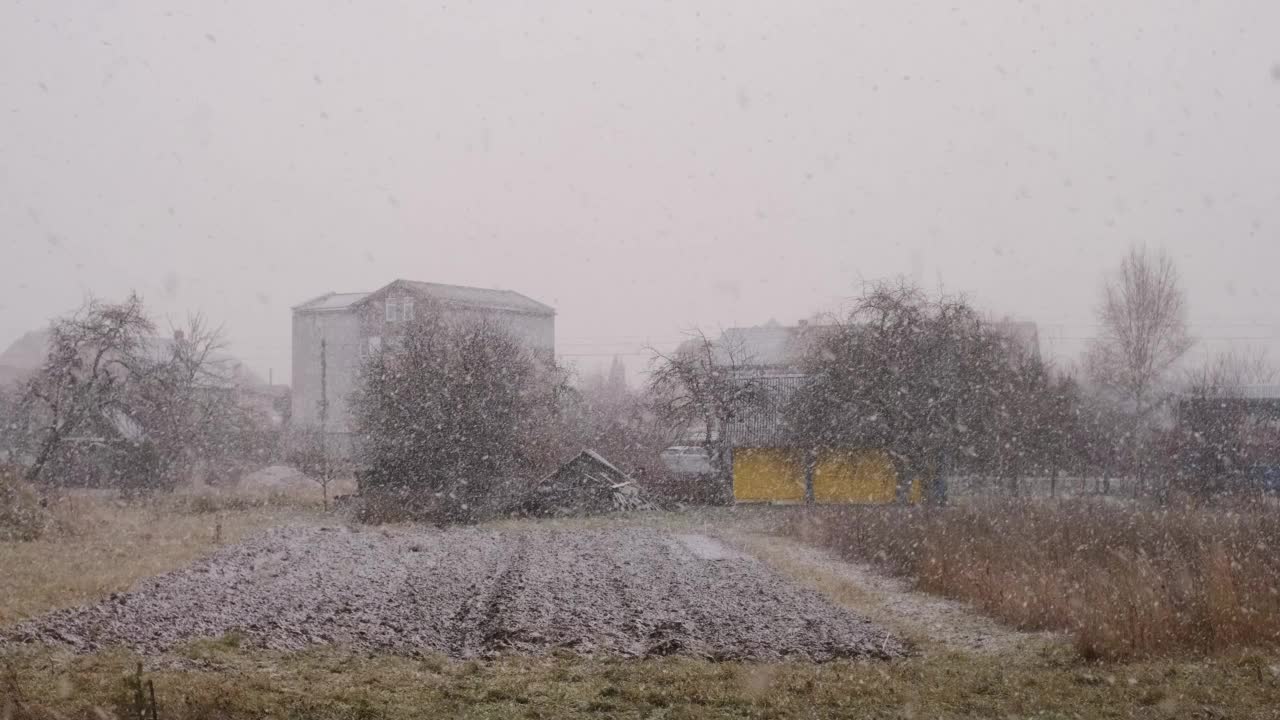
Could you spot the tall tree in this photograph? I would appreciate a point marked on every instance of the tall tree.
(1143, 334)
(113, 398)
(91, 356)
(925, 380)
(182, 395)
(452, 411)
(704, 384)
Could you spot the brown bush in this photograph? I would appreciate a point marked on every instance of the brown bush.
(1124, 582)
(22, 515)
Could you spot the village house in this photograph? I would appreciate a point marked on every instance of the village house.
(764, 462)
(334, 332)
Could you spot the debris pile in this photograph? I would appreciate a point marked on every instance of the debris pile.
(586, 485)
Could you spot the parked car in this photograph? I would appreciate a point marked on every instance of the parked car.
(687, 460)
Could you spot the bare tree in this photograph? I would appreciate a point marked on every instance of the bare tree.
(113, 401)
(922, 379)
(707, 384)
(1230, 374)
(307, 454)
(1143, 329)
(91, 354)
(605, 415)
(181, 392)
(1143, 335)
(15, 418)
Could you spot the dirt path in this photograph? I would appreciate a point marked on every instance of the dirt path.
(629, 591)
(932, 623)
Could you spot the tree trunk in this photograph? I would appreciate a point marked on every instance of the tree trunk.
(42, 458)
(810, 464)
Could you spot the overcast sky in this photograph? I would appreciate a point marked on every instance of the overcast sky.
(643, 167)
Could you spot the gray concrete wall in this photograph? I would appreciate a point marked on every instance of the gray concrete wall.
(537, 332)
(342, 336)
(347, 333)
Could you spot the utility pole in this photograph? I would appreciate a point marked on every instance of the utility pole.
(324, 417)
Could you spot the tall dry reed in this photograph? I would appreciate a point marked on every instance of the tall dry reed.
(1123, 581)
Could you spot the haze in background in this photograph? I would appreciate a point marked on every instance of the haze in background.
(644, 168)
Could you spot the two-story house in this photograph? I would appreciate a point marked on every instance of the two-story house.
(332, 334)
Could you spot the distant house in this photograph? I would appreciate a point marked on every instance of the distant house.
(773, 350)
(766, 465)
(346, 326)
(1232, 436)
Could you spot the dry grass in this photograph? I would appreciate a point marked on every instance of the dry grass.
(1125, 582)
(21, 515)
(96, 543)
(114, 543)
(223, 680)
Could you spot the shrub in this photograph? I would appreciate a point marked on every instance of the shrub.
(450, 412)
(23, 516)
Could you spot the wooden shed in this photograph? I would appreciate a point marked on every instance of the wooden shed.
(586, 485)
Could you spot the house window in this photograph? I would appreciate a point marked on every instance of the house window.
(370, 346)
(399, 309)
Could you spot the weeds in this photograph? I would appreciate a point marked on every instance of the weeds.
(1125, 582)
(13, 704)
(336, 683)
(23, 515)
(139, 702)
(96, 543)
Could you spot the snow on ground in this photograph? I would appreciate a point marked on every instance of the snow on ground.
(629, 591)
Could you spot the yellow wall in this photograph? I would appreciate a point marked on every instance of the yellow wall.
(858, 476)
(853, 476)
(917, 492)
(768, 475)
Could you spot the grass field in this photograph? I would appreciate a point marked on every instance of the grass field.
(99, 544)
(220, 678)
(231, 682)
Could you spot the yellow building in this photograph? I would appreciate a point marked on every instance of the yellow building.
(786, 475)
(766, 468)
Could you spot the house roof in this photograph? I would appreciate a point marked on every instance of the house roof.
(332, 301)
(457, 295)
(479, 297)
